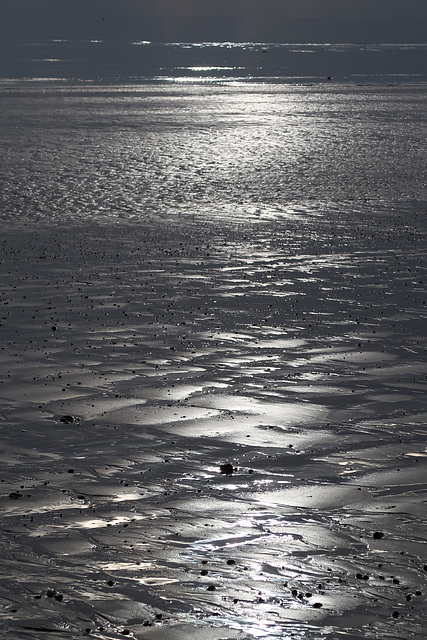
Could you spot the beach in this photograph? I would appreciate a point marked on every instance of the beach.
(213, 389)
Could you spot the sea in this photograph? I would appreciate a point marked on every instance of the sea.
(117, 62)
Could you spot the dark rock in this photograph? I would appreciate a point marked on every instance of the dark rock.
(66, 419)
(378, 535)
(226, 469)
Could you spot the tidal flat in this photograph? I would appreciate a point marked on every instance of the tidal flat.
(213, 412)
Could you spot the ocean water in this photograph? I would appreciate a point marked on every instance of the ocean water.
(144, 61)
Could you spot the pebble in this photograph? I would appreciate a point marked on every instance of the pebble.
(226, 468)
(51, 593)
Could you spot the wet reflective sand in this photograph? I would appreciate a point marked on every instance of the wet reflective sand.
(138, 356)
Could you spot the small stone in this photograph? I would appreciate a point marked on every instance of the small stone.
(110, 583)
(226, 469)
(66, 419)
(395, 614)
(211, 587)
(15, 495)
(378, 535)
(231, 561)
(317, 605)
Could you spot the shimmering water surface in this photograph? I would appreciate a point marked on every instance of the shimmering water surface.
(201, 273)
(145, 61)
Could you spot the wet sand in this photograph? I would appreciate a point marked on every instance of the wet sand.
(137, 358)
